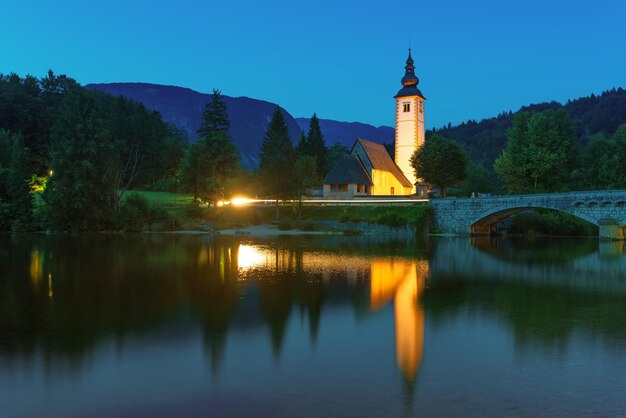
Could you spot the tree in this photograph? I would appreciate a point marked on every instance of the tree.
(215, 116)
(304, 175)
(476, 180)
(18, 190)
(277, 159)
(334, 153)
(212, 161)
(81, 193)
(194, 173)
(315, 146)
(540, 153)
(440, 162)
(603, 161)
(16, 205)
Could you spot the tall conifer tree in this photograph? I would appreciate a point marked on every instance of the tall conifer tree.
(212, 161)
(277, 159)
(316, 147)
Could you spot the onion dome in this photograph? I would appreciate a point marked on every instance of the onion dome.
(410, 80)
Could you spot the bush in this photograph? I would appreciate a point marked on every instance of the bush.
(136, 214)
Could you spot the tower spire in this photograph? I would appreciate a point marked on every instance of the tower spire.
(410, 79)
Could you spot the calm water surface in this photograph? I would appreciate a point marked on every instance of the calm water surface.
(169, 325)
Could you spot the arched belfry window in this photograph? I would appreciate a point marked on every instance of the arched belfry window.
(406, 107)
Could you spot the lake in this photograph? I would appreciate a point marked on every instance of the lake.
(167, 325)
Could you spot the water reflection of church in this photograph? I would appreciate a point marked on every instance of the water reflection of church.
(396, 280)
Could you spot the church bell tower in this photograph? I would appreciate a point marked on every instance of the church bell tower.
(410, 134)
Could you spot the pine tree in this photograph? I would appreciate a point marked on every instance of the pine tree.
(215, 116)
(277, 159)
(315, 146)
(212, 161)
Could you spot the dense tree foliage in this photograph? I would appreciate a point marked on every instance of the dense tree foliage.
(277, 159)
(540, 153)
(15, 199)
(212, 162)
(603, 162)
(441, 162)
(30, 106)
(81, 193)
(96, 145)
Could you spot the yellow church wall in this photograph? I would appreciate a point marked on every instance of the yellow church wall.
(384, 181)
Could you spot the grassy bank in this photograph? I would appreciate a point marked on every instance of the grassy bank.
(164, 210)
(304, 218)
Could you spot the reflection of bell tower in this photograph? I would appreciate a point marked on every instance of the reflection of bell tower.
(409, 318)
(409, 120)
(403, 280)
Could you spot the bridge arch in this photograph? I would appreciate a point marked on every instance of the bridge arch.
(487, 222)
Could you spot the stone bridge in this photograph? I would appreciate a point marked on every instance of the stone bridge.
(479, 216)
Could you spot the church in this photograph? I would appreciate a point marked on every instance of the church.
(369, 170)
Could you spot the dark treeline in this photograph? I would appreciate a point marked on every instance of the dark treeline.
(81, 148)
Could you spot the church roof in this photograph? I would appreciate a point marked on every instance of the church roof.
(409, 91)
(381, 160)
(348, 170)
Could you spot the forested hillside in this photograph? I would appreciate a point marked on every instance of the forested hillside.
(486, 139)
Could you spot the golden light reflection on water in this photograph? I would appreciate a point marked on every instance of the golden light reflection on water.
(403, 280)
(253, 256)
(36, 268)
(396, 279)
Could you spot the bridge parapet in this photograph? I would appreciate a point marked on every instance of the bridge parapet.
(607, 209)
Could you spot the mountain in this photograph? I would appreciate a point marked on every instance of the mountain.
(346, 133)
(183, 107)
(485, 140)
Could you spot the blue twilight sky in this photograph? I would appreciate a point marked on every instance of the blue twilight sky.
(341, 59)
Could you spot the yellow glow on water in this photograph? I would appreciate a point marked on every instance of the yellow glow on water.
(50, 292)
(35, 268)
(249, 256)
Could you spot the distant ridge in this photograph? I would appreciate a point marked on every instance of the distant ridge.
(346, 133)
(183, 107)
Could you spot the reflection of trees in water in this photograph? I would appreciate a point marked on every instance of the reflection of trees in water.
(569, 288)
(62, 294)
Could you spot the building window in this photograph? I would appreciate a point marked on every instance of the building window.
(336, 187)
(344, 188)
(406, 107)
